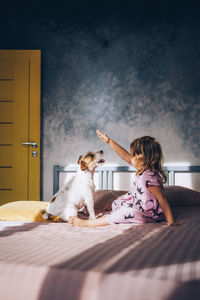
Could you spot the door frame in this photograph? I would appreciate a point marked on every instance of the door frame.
(34, 117)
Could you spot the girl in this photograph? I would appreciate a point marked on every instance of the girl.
(145, 202)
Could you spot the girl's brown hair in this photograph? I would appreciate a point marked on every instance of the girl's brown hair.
(149, 149)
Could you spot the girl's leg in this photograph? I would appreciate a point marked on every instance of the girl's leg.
(102, 221)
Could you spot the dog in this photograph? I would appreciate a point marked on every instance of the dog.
(78, 192)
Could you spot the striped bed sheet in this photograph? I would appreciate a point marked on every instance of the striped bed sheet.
(144, 262)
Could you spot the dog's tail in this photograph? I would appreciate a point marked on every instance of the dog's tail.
(48, 217)
(45, 214)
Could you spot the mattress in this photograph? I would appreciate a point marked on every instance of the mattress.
(125, 261)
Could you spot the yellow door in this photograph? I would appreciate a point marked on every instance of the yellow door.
(19, 125)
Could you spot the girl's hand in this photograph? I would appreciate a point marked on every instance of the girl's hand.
(173, 223)
(103, 137)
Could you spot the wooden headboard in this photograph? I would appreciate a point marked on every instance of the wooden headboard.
(105, 174)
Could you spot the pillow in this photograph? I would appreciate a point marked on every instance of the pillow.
(103, 199)
(176, 196)
(25, 211)
(182, 196)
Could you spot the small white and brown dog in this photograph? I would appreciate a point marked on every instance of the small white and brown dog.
(78, 192)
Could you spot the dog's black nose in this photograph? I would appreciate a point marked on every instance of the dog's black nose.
(101, 151)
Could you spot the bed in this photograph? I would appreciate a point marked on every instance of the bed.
(45, 260)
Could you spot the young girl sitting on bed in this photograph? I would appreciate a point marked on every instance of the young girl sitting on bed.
(145, 202)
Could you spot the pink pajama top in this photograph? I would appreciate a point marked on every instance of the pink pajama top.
(138, 205)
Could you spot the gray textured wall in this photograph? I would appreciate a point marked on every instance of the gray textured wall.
(124, 75)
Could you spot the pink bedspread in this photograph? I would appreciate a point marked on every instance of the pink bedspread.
(145, 262)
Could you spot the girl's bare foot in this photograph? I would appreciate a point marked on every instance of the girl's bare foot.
(77, 222)
(101, 221)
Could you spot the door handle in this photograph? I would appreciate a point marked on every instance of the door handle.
(34, 144)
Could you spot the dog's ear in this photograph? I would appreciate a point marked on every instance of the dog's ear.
(79, 158)
(83, 166)
(53, 199)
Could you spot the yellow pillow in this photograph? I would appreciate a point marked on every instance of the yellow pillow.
(26, 211)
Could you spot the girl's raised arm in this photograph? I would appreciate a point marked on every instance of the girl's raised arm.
(125, 155)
